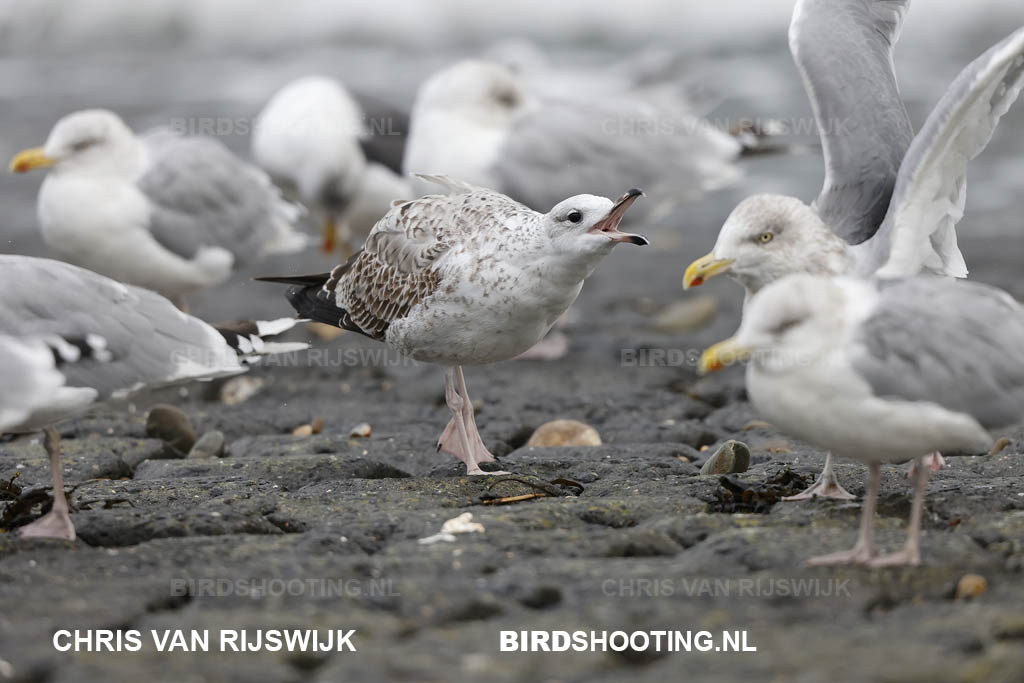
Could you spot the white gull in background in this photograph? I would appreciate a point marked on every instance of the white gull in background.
(479, 121)
(891, 200)
(338, 157)
(465, 278)
(875, 370)
(70, 338)
(170, 213)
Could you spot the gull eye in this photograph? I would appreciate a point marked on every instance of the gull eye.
(83, 144)
(574, 216)
(766, 237)
(785, 326)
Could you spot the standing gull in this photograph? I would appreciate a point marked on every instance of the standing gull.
(166, 212)
(890, 202)
(874, 370)
(70, 338)
(465, 278)
(478, 121)
(339, 158)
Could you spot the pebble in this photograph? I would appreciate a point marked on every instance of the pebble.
(169, 424)
(303, 430)
(687, 315)
(971, 586)
(210, 445)
(732, 457)
(361, 431)
(564, 433)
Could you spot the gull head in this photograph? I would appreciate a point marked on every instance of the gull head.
(767, 237)
(795, 321)
(587, 224)
(94, 139)
(475, 90)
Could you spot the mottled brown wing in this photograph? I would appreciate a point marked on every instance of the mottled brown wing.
(396, 268)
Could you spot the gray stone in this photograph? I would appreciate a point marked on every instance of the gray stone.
(209, 445)
(731, 457)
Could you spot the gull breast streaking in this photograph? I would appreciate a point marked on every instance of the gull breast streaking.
(875, 370)
(479, 121)
(163, 211)
(890, 201)
(465, 278)
(341, 159)
(70, 338)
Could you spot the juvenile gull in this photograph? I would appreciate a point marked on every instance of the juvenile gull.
(890, 201)
(874, 370)
(478, 121)
(339, 158)
(465, 278)
(70, 338)
(167, 212)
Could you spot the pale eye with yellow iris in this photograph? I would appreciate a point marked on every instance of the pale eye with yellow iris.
(766, 237)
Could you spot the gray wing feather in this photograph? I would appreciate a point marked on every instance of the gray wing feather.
(919, 232)
(843, 50)
(562, 149)
(202, 195)
(955, 343)
(140, 338)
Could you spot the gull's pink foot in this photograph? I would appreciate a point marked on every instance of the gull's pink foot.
(827, 486)
(479, 472)
(858, 554)
(907, 557)
(54, 524)
(451, 443)
(933, 461)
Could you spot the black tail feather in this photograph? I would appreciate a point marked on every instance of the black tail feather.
(312, 302)
(302, 280)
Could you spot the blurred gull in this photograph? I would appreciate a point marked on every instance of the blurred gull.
(479, 121)
(465, 278)
(874, 370)
(340, 158)
(170, 213)
(890, 201)
(70, 338)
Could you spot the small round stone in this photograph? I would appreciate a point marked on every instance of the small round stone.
(565, 433)
(169, 424)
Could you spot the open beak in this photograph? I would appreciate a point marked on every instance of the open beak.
(609, 225)
(30, 159)
(703, 268)
(721, 355)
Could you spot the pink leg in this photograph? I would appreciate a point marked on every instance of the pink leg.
(57, 522)
(910, 555)
(933, 461)
(827, 486)
(461, 437)
(864, 549)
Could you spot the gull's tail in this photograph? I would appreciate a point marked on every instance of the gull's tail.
(249, 337)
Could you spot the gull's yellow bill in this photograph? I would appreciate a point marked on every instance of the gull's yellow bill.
(30, 159)
(707, 266)
(721, 355)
